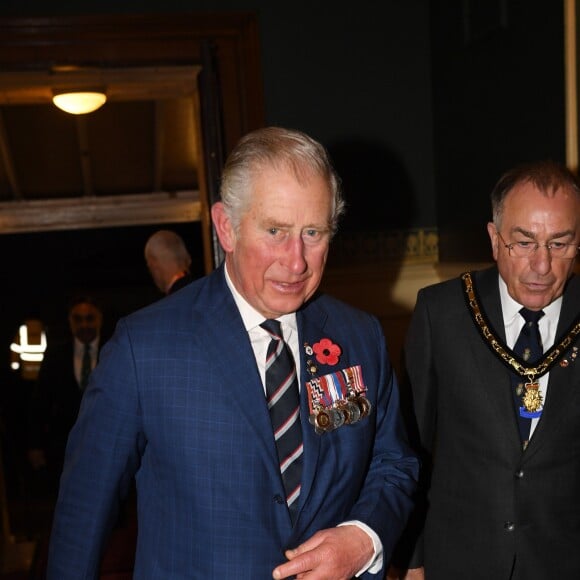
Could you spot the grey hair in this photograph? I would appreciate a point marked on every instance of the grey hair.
(547, 176)
(276, 147)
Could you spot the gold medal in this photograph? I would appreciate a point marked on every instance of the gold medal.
(326, 420)
(532, 399)
(350, 410)
(322, 420)
(364, 405)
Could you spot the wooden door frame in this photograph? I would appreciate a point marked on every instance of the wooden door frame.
(123, 40)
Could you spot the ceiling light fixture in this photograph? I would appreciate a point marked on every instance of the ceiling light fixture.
(79, 102)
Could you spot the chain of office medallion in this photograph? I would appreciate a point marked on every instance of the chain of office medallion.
(547, 361)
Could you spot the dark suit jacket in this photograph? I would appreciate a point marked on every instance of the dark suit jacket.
(491, 502)
(55, 402)
(180, 283)
(177, 399)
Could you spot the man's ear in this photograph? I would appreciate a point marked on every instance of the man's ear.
(494, 238)
(223, 227)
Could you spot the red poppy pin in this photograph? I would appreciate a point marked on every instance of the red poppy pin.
(327, 353)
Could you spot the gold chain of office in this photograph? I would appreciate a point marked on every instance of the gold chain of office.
(545, 363)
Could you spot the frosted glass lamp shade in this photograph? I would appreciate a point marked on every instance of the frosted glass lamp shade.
(79, 102)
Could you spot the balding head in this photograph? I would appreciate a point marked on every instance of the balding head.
(167, 258)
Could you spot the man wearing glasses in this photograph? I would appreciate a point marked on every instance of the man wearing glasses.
(494, 365)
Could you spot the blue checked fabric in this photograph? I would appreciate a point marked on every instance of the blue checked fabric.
(284, 406)
(528, 347)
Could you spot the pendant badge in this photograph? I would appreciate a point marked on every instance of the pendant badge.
(532, 401)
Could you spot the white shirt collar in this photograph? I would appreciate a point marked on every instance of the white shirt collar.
(250, 316)
(511, 308)
(80, 346)
(512, 318)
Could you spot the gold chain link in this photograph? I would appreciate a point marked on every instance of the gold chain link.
(546, 362)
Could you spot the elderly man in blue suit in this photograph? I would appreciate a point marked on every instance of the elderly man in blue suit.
(182, 400)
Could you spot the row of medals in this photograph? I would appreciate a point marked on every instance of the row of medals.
(343, 412)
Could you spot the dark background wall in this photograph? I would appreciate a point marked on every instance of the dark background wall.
(498, 100)
(355, 77)
(421, 104)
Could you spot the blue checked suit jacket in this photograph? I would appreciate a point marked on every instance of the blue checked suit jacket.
(177, 402)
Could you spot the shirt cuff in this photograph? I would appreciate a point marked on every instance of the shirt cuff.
(375, 564)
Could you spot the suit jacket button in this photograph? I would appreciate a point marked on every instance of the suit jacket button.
(279, 499)
(519, 473)
(509, 526)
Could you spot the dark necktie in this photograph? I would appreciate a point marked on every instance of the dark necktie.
(284, 406)
(528, 347)
(86, 366)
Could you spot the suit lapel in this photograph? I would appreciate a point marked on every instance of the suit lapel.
(498, 384)
(563, 380)
(245, 390)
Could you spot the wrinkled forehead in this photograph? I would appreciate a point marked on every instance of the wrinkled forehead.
(527, 198)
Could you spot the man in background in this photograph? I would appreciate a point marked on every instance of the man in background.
(168, 261)
(62, 379)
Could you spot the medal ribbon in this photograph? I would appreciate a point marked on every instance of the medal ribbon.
(328, 389)
(354, 379)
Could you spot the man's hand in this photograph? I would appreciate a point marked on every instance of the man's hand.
(413, 574)
(332, 554)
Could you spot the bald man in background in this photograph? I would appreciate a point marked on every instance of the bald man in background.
(168, 261)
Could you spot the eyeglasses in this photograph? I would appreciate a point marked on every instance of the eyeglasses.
(526, 249)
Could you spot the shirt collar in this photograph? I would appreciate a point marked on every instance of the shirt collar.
(511, 309)
(80, 346)
(250, 316)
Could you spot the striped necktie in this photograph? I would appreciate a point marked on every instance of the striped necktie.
(284, 406)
